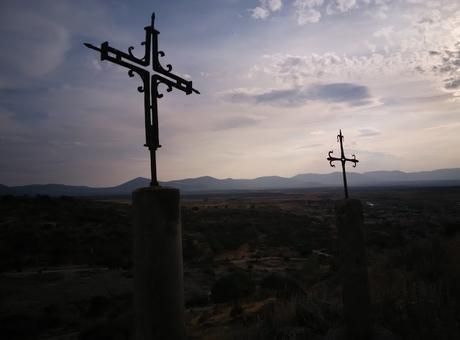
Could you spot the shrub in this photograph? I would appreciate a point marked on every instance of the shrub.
(232, 286)
(281, 285)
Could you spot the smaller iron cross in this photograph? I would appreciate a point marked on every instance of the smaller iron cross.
(150, 83)
(342, 159)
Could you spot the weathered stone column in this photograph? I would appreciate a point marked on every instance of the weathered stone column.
(158, 268)
(355, 284)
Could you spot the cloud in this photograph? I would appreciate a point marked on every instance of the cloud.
(311, 11)
(310, 146)
(15, 140)
(306, 12)
(342, 6)
(265, 8)
(368, 132)
(308, 16)
(346, 5)
(344, 93)
(299, 70)
(31, 49)
(25, 111)
(452, 83)
(236, 122)
(398, 101)
(385, 33)
(275, 5)
(352, 94)
(413, 57)
(372, 160)
(381, 12)
(449, 67)
(37, 36)
(455, 125)
(299, 4)
(260, 13)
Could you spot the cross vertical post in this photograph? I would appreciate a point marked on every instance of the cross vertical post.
(343, 160)
(150, 83)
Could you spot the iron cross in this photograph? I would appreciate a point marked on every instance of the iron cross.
(342, 159)
(150, 83)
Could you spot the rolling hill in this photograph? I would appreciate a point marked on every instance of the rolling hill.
(441, 177)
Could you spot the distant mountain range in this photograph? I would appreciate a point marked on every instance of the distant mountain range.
(442, 177)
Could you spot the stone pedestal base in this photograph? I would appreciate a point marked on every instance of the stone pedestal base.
(158, 269)
(353, 269)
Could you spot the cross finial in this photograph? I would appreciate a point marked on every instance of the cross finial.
(343, 160)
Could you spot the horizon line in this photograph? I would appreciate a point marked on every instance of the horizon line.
(227, 178)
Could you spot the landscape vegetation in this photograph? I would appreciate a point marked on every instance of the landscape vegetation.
(257, 264)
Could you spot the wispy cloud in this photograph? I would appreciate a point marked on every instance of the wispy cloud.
(265, 8)
(31, 49)
(312, 11)
(236, 122)
(368, 132)
(310, 146)
(449, 67)
(306, 11)
(345, 93)
(260, 13)
(301, 69)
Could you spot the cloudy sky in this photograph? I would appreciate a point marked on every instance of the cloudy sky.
(278, 79)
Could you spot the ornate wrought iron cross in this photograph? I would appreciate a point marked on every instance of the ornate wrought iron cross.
(342, 159)
(150, 83)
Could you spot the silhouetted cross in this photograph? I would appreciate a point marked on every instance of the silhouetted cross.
(150, 83)
(342, 159)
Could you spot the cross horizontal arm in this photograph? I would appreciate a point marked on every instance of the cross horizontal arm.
(157, 67)
(118, 59)
(115, 56)
(181, 84)
(92, 47)
(106, 49)
(352, 160)
(332, 159)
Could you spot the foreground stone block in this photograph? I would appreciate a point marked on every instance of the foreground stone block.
(158, 267)
(353, 269)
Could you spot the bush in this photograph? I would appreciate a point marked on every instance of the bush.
(281, 285)
(232, 286)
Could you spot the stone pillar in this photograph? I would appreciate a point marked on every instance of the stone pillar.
(353, 269)
(158, 268)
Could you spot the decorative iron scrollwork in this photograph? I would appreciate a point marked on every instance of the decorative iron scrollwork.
(169, 66)
(331, 159)
(354, 160)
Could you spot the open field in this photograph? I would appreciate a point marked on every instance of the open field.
(258, 265)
